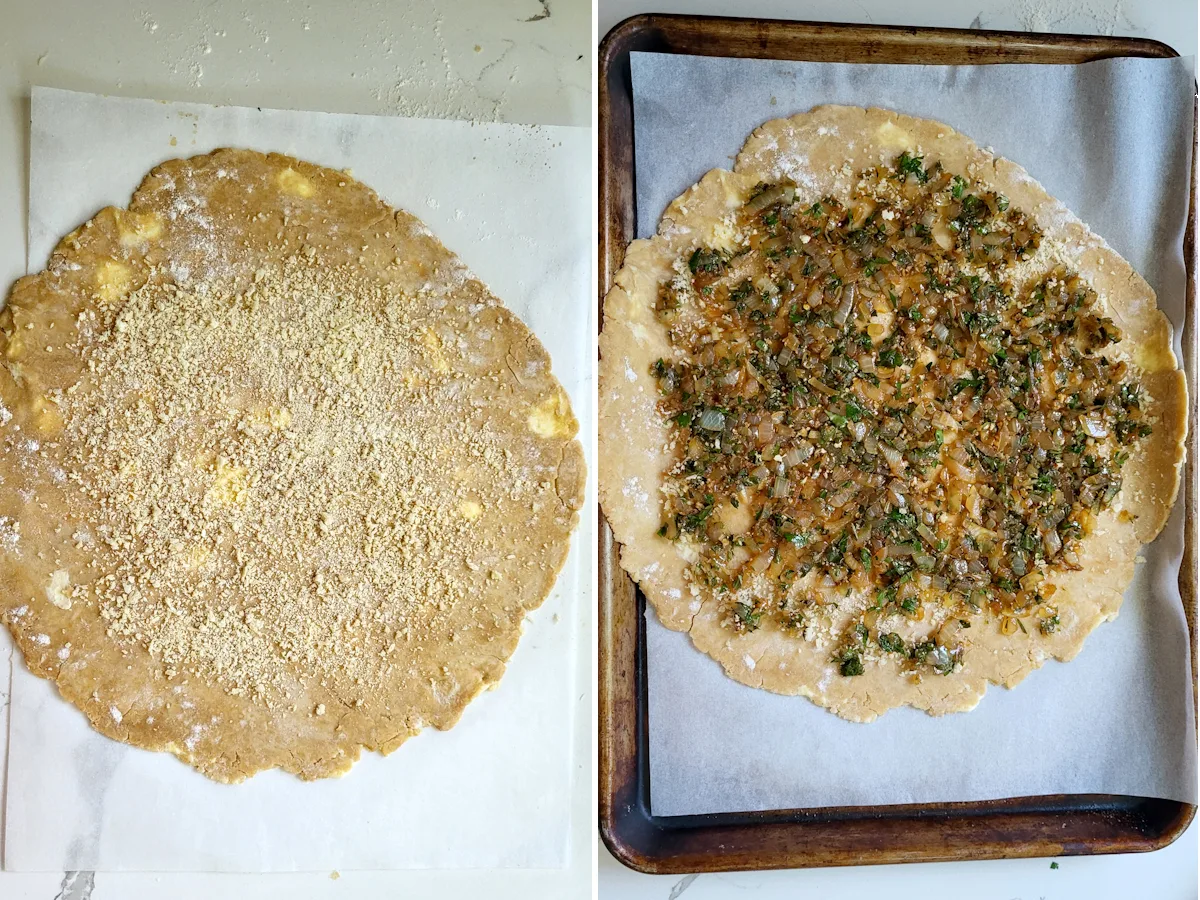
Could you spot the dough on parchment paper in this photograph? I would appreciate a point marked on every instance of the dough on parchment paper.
(279, 479)
(822, 152)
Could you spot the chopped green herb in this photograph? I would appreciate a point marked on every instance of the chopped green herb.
(747, 616)
(891, 642)
(908, 164)
(709, 262)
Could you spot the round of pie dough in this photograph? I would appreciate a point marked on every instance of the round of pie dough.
(822, 152)
(279, 479)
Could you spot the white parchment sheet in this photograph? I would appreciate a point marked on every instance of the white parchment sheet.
(492, 792)
(1112, 140)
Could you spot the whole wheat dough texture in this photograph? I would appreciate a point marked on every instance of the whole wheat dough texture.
(279, 479)
(822, 152)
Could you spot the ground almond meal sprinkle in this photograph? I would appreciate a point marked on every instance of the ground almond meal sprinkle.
(304, 494)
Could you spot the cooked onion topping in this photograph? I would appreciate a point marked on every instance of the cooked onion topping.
(863, 402)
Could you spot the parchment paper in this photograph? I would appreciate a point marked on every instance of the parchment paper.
(492, 792)
(1112, 140)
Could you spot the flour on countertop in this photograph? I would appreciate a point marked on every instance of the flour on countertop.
(1083, 16)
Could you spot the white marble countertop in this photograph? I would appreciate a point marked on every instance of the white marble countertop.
(522, 61)
(1169, 874)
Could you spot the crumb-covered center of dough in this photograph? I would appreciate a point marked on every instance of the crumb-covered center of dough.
(280, 472)
(874, 396)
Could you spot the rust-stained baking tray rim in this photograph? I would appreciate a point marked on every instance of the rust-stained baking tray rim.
(1060, 825)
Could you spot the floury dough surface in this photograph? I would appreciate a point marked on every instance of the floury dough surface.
(822, 152)
(280, 479)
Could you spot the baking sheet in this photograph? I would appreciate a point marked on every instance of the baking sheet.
(492, 792)
(1112, 140)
